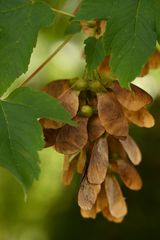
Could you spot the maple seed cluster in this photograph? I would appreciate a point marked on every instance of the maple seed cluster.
(100, 147)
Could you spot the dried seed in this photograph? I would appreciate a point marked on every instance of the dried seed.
(141, 118)
(132, 100)
(106, 213)
(87, 194)
(116, 203)
(111, 115)
(56, 88)
(72, 139)
(128, 174)
(115, 148)
(132, 150)
(102, 201)
(81, 161)
(50, 137)
(51, 124)
(68, 169)
(153, 63)
(99, 162)
(68, 98)
(70, 101)
(89, 213)
(95, 128)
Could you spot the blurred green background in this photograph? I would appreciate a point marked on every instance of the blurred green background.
(51, 211)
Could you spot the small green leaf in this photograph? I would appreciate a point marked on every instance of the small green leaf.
(20, 21)
(95, 52)
(73, 28)
(20, 133)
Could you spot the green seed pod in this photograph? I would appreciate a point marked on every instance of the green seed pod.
(80, 85)
(96, 86)
(86, 111)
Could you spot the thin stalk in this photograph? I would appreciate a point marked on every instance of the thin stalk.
(63, 12)
(58, 49)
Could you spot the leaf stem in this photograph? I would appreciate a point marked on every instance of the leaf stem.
(48, 59)
(63, 12)
(58, 48)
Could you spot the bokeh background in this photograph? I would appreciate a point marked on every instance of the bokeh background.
(51, 211)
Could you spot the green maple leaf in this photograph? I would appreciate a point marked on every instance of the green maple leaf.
(20, 21)
(94, 51)
(21, 135)
(133, 26)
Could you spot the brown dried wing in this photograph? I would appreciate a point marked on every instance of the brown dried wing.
(50, 137)
(99, 162)
(50, 124)
(70, 101)
(68, 98)
(116, 203)
(132, 100)
(115, 148)
(68, 169)
(106, 213)
(102, 201)
(141, 118)
(56, 88)
(72, 139)
(87, 194)
(111, 115)
(153, 63)
(128, 174)
(81, 161)
(132, 150)
(89, 213)
(95, 128)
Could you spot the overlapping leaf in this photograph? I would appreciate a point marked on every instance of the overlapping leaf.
(20, 133)
(132, 30)
(20, 21)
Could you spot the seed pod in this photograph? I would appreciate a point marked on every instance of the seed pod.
(115, 148)
(141, 118)
(111, 115)
(68, 98)
(99, 162)
(72, 139)
(132, 100)
(86, 111)
(89, 213)
(102, 201)
(107, 214)
(50, 137)
(96, 86)
(80, 85)
(70, 101)
(95, 128)
(81, 161)
(132, 150)
(56, 88)
(68, 169)
(87, 194)
(128, 174)
(153, 63)
(116, 203)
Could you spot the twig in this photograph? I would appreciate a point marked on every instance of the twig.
(57, 50)
(47, 60)
(63, 12)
